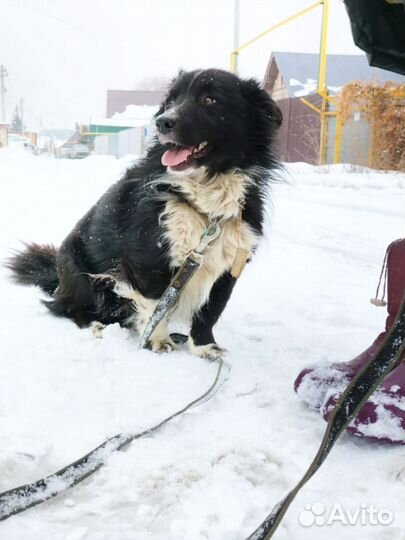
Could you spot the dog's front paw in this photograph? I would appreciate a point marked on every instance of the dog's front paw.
(161, 345)
(211, 350)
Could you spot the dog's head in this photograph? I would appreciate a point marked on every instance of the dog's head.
(214, 119)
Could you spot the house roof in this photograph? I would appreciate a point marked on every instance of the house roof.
(73, 139)
(118, 100)
(300, 71)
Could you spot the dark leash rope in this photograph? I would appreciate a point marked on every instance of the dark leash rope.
(353, 398)
(21, 498)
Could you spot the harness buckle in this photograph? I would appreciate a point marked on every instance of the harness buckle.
(210, 233)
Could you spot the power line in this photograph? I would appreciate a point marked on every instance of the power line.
(236, 28)
(101, 37)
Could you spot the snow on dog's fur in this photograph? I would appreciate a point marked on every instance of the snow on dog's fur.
(211, 160)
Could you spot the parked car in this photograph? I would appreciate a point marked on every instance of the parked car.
(78, 151)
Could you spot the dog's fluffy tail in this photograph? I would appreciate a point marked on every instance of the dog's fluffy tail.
(36, 265)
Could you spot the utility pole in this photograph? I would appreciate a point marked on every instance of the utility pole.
(236, 24)
(22, 115)
(3, 75)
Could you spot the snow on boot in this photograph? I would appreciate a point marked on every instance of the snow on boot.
(313, 383)
(383, 416)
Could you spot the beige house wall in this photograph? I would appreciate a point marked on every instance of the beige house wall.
(3, 136)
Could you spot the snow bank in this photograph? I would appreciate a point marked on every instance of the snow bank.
(140, 112)
(344, 175)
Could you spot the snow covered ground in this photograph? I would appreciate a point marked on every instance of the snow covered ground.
(215, 472)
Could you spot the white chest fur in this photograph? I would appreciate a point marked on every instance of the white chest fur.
(184, 225)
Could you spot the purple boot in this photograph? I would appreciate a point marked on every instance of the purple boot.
(313, 384)
(383, 416)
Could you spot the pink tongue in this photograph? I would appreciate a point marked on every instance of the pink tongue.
(174, 157)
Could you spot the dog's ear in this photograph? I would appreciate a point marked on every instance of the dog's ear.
(258, 96)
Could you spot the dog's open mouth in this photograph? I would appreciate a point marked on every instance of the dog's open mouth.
(179, 158)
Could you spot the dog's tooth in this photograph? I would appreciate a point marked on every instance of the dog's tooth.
(200, 147)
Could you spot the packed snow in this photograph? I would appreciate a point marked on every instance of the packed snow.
(309, 87)
(140, 113)
(215, 472)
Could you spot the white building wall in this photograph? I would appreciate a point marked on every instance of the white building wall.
(128, 141)
(101, 144)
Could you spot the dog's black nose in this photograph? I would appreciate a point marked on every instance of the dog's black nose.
(165, 124)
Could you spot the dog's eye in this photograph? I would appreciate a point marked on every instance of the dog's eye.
(208, 100)
(169, 104)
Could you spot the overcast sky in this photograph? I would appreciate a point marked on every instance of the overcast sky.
(62, 55)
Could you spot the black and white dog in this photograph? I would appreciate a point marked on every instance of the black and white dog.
(212, 161)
